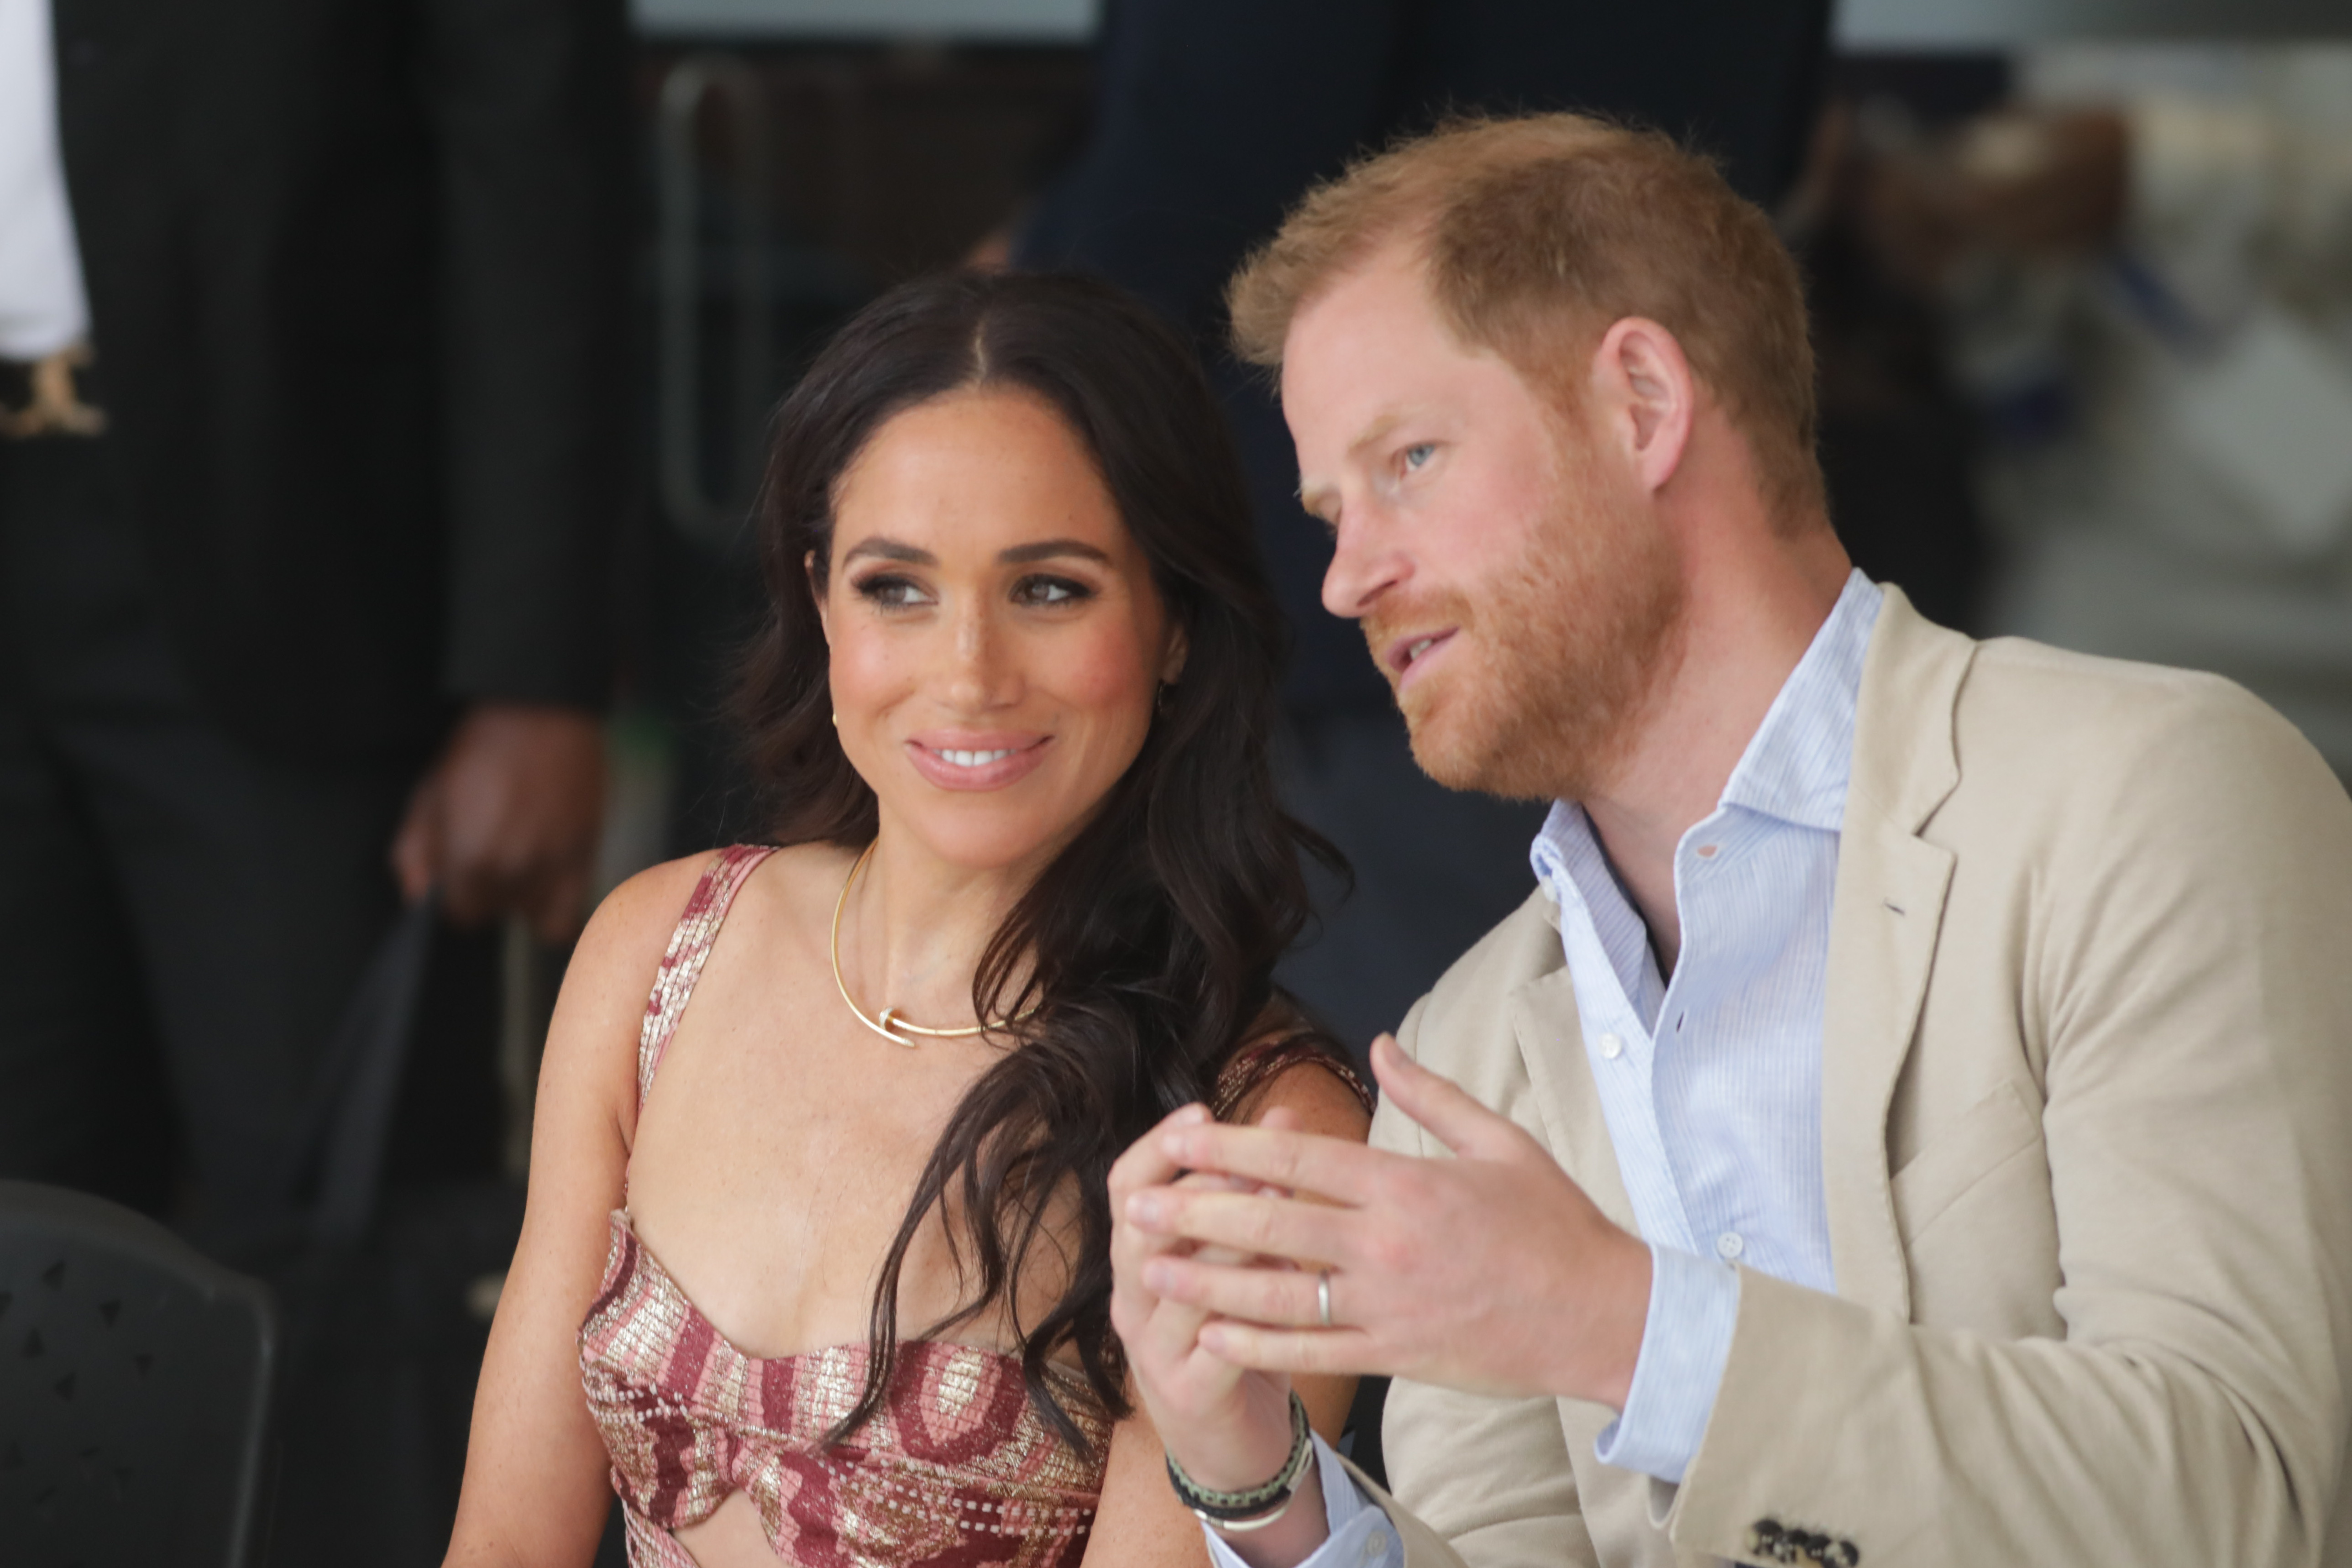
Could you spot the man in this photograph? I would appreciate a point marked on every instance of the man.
(1906, 1126)
(310, 318)
(1213, 116)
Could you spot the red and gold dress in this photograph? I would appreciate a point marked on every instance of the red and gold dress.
(956, 1470)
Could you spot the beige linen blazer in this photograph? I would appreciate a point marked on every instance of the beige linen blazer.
(2087, 1132)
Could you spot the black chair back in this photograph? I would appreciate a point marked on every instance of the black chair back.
(134, 1391)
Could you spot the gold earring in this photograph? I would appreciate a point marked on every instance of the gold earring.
(836, 720)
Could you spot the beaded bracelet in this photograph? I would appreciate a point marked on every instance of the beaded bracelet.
(1235, 1512)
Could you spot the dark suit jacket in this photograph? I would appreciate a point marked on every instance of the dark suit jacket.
(355, 271)
(1215, 115)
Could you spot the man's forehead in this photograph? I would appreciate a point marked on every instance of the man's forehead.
(1390, 281)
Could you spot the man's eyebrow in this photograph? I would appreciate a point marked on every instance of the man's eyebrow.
(1047, 549)
(1376, 432)
(1312, 495)
(889, 548)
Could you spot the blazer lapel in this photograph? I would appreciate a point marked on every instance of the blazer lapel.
(1887, 914)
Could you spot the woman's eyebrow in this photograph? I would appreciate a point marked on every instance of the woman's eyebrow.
(1047, 548)
(889, 549)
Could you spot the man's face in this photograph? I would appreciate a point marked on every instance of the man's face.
(1513, 580)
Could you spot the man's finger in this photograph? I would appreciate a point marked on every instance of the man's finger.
(1147, 1163)
(1339, 1352)
(1277, 1298)
(1250, 1224)
(1333, 1168)
(1439, 1104)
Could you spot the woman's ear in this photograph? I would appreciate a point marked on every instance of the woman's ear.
(816, 592)
(1173, 664)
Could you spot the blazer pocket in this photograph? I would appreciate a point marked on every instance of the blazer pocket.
(1983, 1139)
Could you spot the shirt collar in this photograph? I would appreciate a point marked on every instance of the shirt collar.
(1796, 767)
(1799, 762)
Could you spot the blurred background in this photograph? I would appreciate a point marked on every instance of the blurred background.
(383, 390)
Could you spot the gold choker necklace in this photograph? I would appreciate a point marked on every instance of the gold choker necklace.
(890, 1024)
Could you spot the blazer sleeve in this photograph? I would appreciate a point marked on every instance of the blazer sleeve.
(526, 101)
(1479, 1482)
(2187, 973)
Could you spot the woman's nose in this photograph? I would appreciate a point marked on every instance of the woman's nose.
(979, 672)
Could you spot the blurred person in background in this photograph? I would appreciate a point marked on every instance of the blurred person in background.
(2145, 266)
(309, 353)
(1214, 117)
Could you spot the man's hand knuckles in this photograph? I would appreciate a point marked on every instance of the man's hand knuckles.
(1388, 1251)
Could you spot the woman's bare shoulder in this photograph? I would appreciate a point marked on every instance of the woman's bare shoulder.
(1312, 1090)
(621, 950)
(593, 1038)
(631, 928)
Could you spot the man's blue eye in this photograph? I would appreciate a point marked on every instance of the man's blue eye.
(1414, 456)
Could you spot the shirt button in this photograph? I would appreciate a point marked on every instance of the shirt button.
(1729, 1246)
(1612, 1047)
(1375, 1545)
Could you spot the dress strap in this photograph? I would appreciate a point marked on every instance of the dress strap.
(689, 947)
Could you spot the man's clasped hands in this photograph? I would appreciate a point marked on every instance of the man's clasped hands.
(1244, 1255)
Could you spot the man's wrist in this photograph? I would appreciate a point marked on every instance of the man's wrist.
(1599, 1364)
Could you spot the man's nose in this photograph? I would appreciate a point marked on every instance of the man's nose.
(1367, 560)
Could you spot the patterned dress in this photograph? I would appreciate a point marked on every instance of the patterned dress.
(956, 1470)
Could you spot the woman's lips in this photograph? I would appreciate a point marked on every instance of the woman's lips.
(970, 766)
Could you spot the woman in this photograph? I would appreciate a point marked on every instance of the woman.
(839, 1232)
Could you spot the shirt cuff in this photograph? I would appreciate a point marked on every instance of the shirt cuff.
(1360, 1534)
(1686, 1340)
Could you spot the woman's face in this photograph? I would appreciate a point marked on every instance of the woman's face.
(996, 640)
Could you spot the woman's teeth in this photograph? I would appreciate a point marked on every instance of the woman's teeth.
(976, 759)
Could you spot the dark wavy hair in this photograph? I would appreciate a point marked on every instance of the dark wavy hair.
(1147, 948)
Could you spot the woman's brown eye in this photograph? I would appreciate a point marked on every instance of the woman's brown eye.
(889, 591)
(1053, 591)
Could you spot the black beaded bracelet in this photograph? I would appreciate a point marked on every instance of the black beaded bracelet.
(1259, 1506)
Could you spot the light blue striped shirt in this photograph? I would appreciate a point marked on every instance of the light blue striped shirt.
(1710, 1082)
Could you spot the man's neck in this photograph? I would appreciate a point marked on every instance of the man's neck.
(1746, 626)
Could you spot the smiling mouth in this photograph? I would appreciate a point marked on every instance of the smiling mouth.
(974, 759)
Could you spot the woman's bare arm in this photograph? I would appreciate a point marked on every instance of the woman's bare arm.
(1141, 1523)
(536, 1494)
